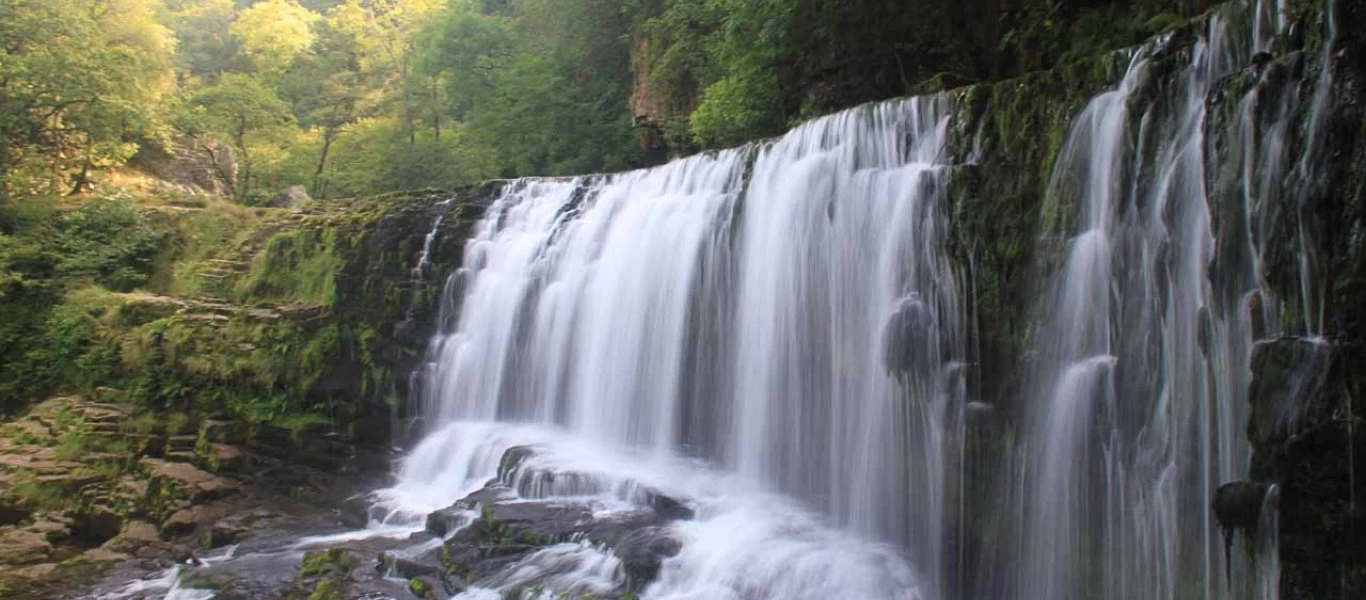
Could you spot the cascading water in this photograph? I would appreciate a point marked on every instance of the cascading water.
(1139, 406)
(767, 351)
(788, 327)
(777, 335)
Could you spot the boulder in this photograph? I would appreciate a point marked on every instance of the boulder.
(904, 337)
(293, 196)
(355, 511)
(1238, 505)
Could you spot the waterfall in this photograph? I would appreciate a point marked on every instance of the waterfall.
(780, 335)
(784, 312)
(1139, 406)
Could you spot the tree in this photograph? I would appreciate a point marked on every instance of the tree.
(205, 45)
(80, 80)
(273, 32)
(240, 108)
(386, 36)
(329, 93)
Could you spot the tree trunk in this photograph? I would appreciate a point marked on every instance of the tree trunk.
(83, 178)
(4, 173)
(243, 184)
(223, 174)
(329, 136)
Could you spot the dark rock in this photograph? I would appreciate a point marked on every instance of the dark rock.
(442, 522)
(355, 511)
(1238, 505)
(389, 565)
(642, 552)
(512, 461)
(221, 534)
(1288, 373)
(669, 508)
(905, 335)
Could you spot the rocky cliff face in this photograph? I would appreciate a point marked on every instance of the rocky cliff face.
(1305, 394)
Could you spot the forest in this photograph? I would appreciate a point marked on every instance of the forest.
(350, 97)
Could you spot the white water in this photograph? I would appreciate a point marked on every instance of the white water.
(732, 334)
(167, 583)
(1140, 397)
(777, 337)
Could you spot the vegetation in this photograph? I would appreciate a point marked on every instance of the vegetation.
(349, 97)
(214, 310)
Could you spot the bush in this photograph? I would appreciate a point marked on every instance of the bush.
(108, 242)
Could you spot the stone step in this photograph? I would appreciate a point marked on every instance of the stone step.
(104, 427)
(181, 456)
(182, 442)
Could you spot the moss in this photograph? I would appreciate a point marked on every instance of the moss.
(332, 561)
(300, 266)
(328, 589)
(421, 589)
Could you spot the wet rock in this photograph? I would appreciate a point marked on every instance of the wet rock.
(512, 460)
(905, 335)
(642, 552)
(221, 534)
(1238, 505)
(669, 508)
(442, 522)
(355, 511)
(179, 523)
(1288, 375)
(404, 568)
(100, 556)
(223, 587)
(134, 536)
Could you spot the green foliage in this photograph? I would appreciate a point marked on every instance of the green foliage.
(106, 241)
(542, 85)
(352, 97)
(244, 110)
(48, 319)
(273, 32)
(77, 79)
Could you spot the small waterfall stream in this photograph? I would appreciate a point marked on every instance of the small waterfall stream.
(1140, 396)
